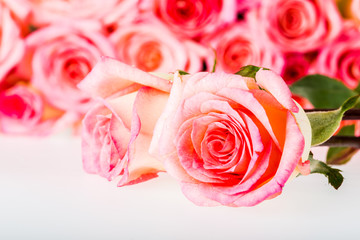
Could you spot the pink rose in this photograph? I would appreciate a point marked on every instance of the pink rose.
(341, 58)
(24, 111)
(117, 131)
(296, 66)
(240, 45)
(228, 141)
(151, 47)
(49, 12)
(59, 57)
(11, 42)
(192, 18)
(300, 25)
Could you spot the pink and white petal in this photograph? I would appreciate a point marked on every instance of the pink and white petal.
(110, 76)
(150, 104)
(90, 143)
(257, 167)
(249, 102)
(293, 149)
(140, 162)
(273, 83)
(193, 193)
(163, 134)
(142, 165)
(129, 157)
(204, 82)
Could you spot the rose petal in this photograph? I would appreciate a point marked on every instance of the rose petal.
(110, 76)
(273, 83)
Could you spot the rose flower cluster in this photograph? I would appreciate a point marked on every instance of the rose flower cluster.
(227, 139)
(155, 86)
(48, 46)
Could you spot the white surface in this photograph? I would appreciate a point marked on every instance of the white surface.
(45, 194)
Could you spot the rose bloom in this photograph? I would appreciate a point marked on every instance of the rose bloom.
(59, 57)
(117, 131)
(151, 47)
(51, 11)
(296, 66)
(23, 111)
(231, 140)
(240, 45)
(11, 41)
(300, 25)
(192, 18)
(341, 58)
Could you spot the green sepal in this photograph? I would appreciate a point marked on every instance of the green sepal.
(249, 71)
(322, 91)
(32, 28)
(215, 62)
(325, 123)
(334, 176)
(181, 72)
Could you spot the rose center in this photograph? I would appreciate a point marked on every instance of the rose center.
(185, 8)
(236, 55)
(220, 144)
(76, 70)
(149, 57)
(12, 106)
(292, 22)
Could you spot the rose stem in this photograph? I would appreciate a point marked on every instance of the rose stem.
(342, 141)
(352, 114)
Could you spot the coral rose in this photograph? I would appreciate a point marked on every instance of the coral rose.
(192, 18)
(231, 140)
(341, 58)
(300, 25)
(117, 131)
(59, 57)
(296, 66)
(23, 111)
(151, 47)
(239, 45)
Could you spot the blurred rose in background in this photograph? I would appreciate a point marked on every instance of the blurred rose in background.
(48, 46)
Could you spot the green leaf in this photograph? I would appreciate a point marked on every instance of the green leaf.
(348, 130)
(322, 91)
(181, 72)
(249, 71)
(334, 176)
(325, 123)
(357, 89)
(340, 155)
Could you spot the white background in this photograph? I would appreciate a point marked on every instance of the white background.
(45, 194)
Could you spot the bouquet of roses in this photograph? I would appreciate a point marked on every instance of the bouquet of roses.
(230, 134)
(48, 47)
(230, 139)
